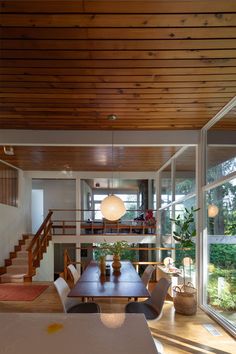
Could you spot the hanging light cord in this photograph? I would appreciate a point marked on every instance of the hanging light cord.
(112, 161)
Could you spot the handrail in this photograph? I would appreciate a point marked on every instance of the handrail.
(39, 244)
(92, 227)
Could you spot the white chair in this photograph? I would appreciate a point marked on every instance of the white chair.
(73, 272)
(73, 305)
(147, 274)
(152, 307)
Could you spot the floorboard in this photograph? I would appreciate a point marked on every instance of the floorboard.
(179, 334)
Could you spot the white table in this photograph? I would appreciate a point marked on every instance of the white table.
(59, 333)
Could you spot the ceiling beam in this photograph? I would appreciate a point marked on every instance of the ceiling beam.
(101, 138)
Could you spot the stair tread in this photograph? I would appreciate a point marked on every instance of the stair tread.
(13, 275)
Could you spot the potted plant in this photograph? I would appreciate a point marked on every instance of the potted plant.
(185, 295)
(116, 249)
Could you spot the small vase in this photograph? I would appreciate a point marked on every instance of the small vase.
(116, 263)
(102, 265)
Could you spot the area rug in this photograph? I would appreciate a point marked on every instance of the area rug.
(20, 292)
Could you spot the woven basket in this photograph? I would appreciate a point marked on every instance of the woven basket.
(185, 299)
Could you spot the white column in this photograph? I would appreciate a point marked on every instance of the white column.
(78, 217)
(201, 239)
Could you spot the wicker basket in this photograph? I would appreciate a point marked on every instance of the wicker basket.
(185, 299)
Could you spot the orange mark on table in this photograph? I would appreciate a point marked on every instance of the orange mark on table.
(54, 327)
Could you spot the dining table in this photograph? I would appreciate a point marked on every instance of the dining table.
(124, 284)
(62, 333)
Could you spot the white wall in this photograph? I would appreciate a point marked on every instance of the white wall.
(58, 194)
(14, 221)
(46, 270)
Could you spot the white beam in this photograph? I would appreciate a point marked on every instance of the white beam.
(101, 137)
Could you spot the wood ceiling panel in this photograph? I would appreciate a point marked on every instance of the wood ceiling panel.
(118, 20)
(118, 6)
(203, 54)
(156, 64)
(56, 158)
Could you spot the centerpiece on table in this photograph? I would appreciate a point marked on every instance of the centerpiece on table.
(116, 248)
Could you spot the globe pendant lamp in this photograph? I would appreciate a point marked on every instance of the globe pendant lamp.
(213, 211)
(112, 207)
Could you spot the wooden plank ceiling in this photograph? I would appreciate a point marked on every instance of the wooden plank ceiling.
(156, 64)
(67, 158)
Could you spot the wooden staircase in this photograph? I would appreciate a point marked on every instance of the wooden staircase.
(16, 266)
(22, 263)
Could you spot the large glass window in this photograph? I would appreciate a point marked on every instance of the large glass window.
(221, 231)
(130, 200)
(180, 254)
(166, 192)
(219, 287)
(221, 162)
(185, 173)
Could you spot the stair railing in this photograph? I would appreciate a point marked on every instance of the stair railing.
(39, 244)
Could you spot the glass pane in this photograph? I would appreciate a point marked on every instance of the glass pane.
(221, 148)
(99, 197)
(221, 162)
(166, 194)
(180, 254)
(221, 231)
(185, 178)
(165, 230)
(128, 197)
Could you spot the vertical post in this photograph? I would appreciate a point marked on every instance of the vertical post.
(173, 183)
(201, 239)
(78, 201)
(158, 214)
(65, 264)
(30, 262)
(78, 256)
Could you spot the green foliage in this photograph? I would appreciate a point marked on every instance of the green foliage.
(116, 248)
(185, 229)
(185, 186)
(230, 223)
(223, 255)
(226, 300)
(180, 254)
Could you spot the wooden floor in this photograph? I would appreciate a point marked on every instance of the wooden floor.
(177, 333)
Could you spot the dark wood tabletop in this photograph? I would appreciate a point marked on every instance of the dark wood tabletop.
(127, 273)
(125, 284)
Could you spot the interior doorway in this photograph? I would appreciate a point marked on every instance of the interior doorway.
(37, 209)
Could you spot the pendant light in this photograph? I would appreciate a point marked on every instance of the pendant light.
(112, 207)
(213, 211)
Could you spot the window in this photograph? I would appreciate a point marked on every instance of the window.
(8, 185)
(221, 234)
(130, 200)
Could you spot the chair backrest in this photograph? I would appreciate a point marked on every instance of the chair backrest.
(73, 272)
(159, 293)
(147, 274)
(63, 290)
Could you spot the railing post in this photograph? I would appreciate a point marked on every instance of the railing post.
(30, 263)
(65, 265)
